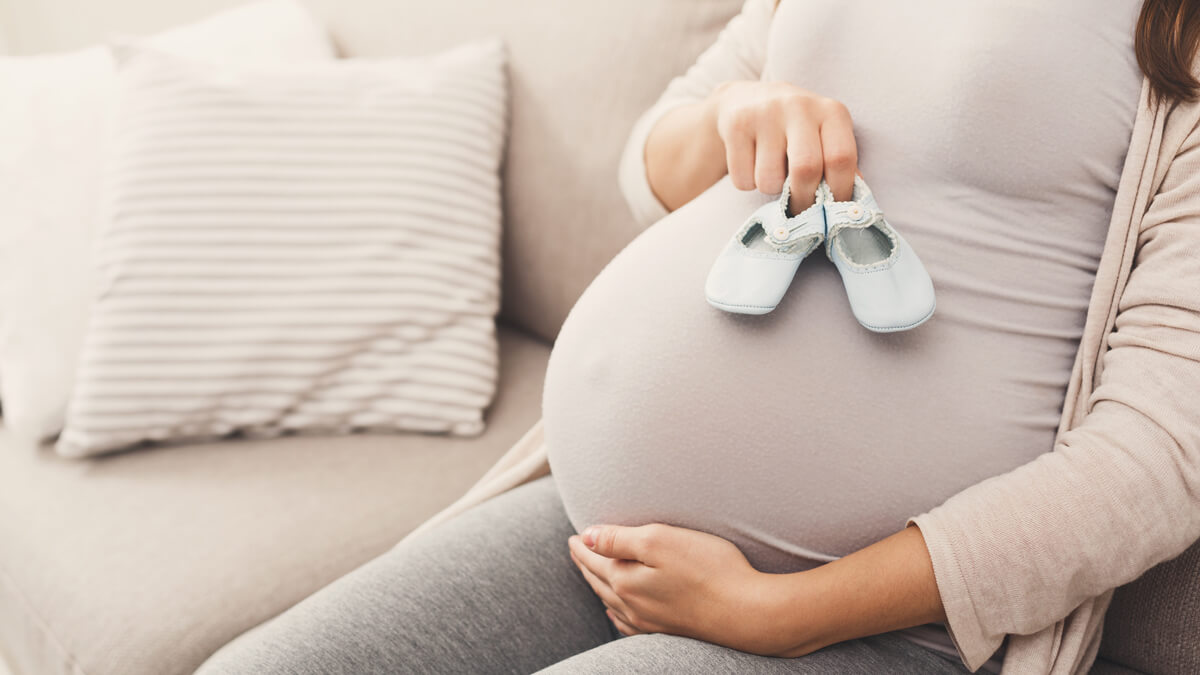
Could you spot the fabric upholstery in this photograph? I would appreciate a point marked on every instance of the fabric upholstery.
(579, 80)
(1153, 623)
(1103, 667)
(148, 561)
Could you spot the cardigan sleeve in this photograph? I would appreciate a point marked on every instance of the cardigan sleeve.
(1120, 493)
(738, 54)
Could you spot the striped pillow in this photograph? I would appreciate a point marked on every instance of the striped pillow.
(311, 249)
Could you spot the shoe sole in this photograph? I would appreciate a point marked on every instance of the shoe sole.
(754, 310)
(898, 329)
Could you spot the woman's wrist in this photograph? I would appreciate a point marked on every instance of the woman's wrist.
(713, 101)
(684, 154)
(790, 606)
(886, 586)
(712, 113)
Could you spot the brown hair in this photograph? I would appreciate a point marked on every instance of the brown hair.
(1168, 32)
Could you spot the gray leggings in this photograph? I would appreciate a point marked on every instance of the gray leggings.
(493, 590)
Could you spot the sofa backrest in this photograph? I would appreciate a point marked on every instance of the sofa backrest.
(1153, 624)
(581, 73)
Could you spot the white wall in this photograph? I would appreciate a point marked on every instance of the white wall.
(3, 50)
(32, 26)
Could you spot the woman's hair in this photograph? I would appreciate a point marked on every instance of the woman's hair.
(1168, 32)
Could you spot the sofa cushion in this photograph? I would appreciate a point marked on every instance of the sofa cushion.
(149, 561)
(581, 74)
(1153, 623)
(55, 111)
(299, 247)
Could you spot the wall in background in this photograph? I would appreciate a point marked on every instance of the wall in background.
(4, 41)
(33, 26)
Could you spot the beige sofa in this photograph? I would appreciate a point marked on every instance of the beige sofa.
(148, 561)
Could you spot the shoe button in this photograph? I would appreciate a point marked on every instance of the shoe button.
(855, 212)
(781, 234)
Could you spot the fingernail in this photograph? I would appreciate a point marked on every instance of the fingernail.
(589, 537)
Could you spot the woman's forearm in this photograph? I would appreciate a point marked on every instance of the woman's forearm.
(684, 154)
(886, 586)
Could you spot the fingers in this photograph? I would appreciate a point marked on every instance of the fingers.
(603, 590)
(805, 164)
(597, 564)
(770, 154)
(622, 625)
(775, 132)
(626, 543)
(618, 610)
(739, 155)
(839, 151)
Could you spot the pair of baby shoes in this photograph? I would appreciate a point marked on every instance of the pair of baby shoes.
(888, 287)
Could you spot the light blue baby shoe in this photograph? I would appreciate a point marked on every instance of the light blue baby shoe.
(757, 265)
(888, 287)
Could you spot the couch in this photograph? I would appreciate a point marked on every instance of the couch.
(148, 561)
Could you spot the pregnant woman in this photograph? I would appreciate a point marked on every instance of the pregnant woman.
(790, 493)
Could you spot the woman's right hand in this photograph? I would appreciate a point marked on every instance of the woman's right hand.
(775, 131)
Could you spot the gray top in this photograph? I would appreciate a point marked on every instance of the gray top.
(993, 134)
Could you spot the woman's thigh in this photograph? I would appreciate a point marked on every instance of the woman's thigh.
(661, 654)
(492, 590)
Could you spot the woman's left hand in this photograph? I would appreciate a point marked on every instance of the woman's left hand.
(663, 579)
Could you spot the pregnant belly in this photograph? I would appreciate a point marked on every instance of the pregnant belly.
(797, 435)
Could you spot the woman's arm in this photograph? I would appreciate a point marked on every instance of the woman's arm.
(664, 579)
(884, 587)
(1121, 491)
(684, 154)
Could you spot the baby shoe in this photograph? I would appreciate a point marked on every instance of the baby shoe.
(888, 287)
(756, 266)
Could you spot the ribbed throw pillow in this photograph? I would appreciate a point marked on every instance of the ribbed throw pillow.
(313, 248)
(54, 111)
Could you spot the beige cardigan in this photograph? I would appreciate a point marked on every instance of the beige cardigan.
(1033, 554)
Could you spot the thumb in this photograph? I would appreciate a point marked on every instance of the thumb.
(615, 541)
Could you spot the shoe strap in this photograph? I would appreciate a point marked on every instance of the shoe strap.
(785, 233)
(851, 214)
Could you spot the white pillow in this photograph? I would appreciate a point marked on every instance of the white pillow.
(308, 248)
(54, 119)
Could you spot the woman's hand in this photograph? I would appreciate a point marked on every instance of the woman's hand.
(776, 131)
(663, 579)
(761, 134)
